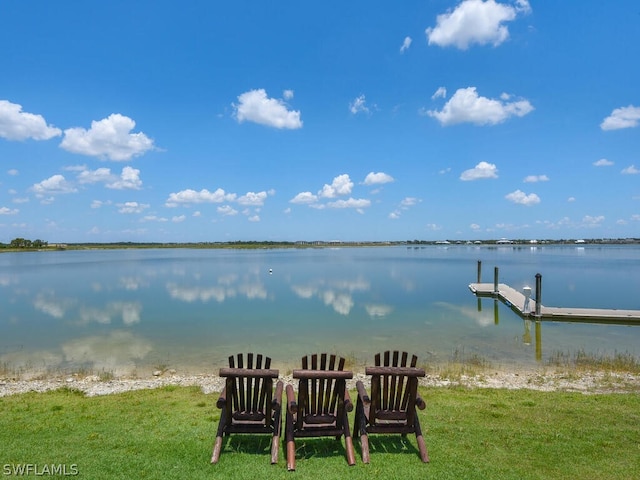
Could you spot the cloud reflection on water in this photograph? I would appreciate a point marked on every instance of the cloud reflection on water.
(116, 352)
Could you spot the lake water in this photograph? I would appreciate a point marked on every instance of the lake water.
(132, 311)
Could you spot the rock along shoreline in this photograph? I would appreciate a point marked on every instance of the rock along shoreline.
(587, 383)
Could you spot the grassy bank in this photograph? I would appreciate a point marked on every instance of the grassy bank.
(471, 433)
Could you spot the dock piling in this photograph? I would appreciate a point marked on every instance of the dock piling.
(538, 293)
(479, 271)
(495, 280)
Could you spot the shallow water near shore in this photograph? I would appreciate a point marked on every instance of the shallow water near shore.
(130, 312)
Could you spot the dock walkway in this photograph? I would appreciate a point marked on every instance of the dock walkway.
(519, 304)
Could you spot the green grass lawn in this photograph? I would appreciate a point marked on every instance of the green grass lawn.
(470, 433)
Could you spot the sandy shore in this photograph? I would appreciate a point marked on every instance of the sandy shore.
(588, 383)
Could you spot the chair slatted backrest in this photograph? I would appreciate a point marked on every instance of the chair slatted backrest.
(321, 398)
(250, 395)
(394, 387)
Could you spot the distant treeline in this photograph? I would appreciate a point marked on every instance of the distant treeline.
(25, 243)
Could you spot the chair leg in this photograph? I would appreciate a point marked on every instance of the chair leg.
(348, 441)
(291, 444)
(217, 446)
(364, 445)
(360, 428)
(275, 448)
(424, 455)
(275, 441)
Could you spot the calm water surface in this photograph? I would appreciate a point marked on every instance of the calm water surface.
(132, 311)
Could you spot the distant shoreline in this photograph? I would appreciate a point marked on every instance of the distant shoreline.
(304, 244)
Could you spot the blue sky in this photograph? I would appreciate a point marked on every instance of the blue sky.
(247, 120)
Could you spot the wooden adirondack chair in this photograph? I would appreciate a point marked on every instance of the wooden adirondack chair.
(248, 403)
(322, 406)
(392, 405)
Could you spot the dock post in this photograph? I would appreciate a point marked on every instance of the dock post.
(538, 293)
(479, 271)
(538, 341)
(495, 280)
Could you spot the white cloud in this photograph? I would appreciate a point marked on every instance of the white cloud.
(405, 204)
(480, 171)
(178, 218)
(129, 179)
(465, 106)
(251, 198)
(624, 117)
(571, 199)
(377, 178)
(603, 162)
(591, 221)
(53, 185)
(187, 197)
(409, 202)
(8, 211)
(255, 106)
(155, 218)
(630, 170)
(109, 138)
(475, 21)
(341, 185)
(535, 178)
(350, 203)
(359, 105)
(95, 176)
(287, 94)
(441, 92)
(132, 207)
(227, 210)
(254, 218)
(99, 203)
(304, 197)
(405, 44)
(13, 172)
(522, 198)
(18, 125)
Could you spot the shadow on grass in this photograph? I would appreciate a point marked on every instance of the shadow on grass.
(248, 444)
(393, 444)
(322, 447)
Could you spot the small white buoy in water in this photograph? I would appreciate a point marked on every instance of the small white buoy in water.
(270, 271)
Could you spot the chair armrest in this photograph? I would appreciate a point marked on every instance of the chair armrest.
(291, 400)
(404, 371)
(347, 401)
(222, 399)
(323, 374)
(362, 393)
(277, 398)
(248, 372)
(420, 403)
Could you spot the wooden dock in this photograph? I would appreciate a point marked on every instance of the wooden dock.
(527, 309)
